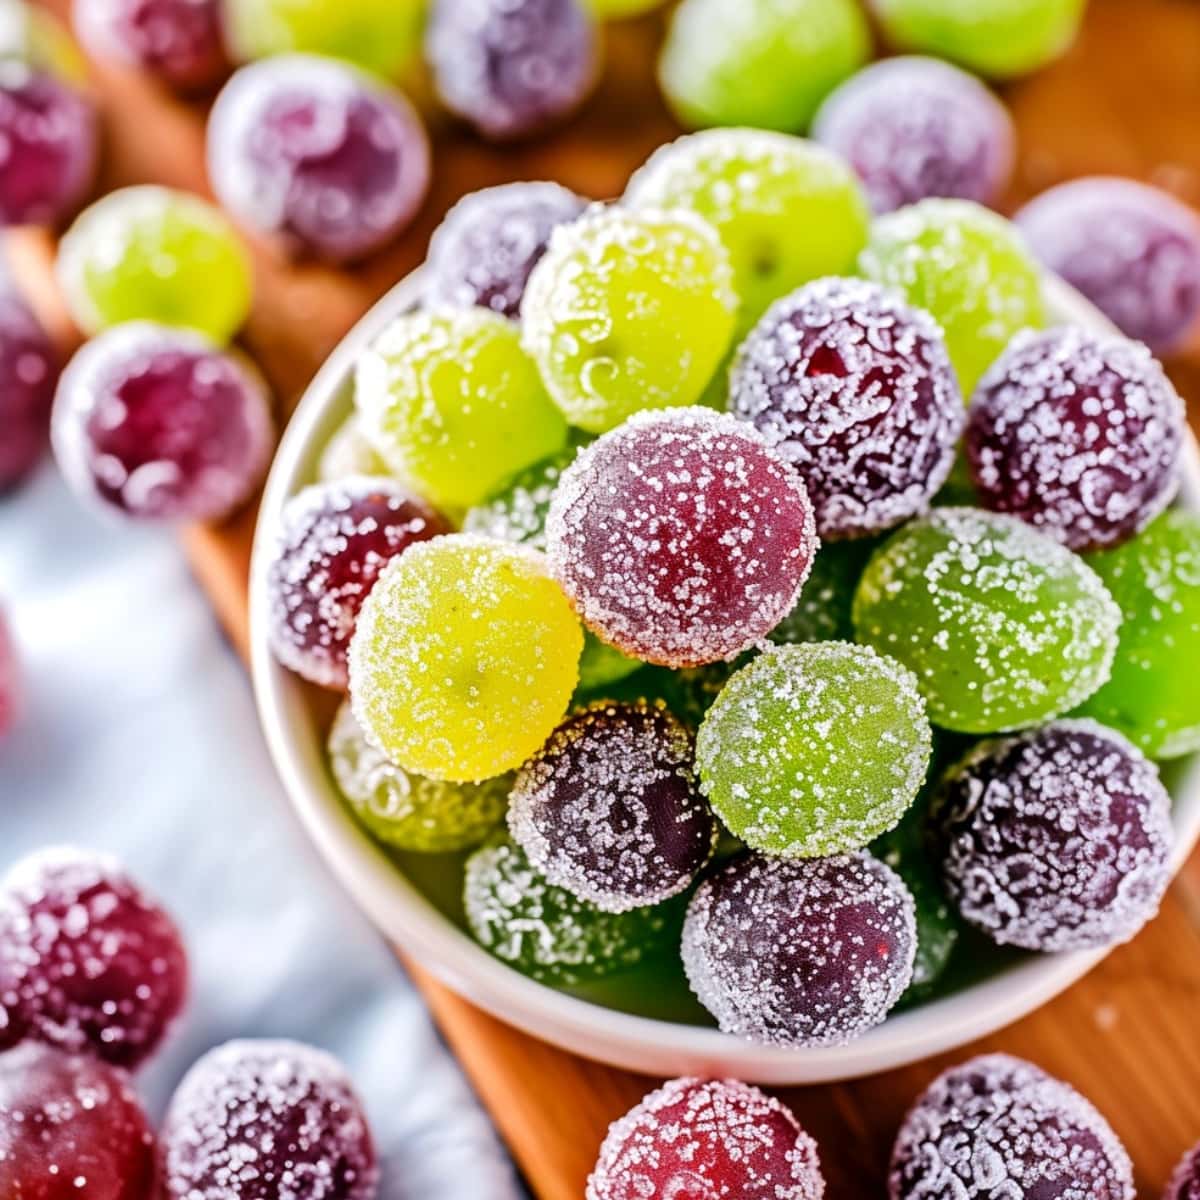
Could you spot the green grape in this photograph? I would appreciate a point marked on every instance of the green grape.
(1003, 626)
(992, 37)
(629, 311)
(453, 404)
(349, 453)
(787, 210)
(31, 34)
(464, 658)
(154, 254)
(1153, 696)
(763, 63)
(965, 265)
(814, 750)
(822, 614)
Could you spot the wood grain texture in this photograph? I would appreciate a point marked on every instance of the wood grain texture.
(1126, 101)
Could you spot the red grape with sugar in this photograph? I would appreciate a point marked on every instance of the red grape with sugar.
(28, 374)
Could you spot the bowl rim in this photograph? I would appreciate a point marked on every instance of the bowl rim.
(642, 1044)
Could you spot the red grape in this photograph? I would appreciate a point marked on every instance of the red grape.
(1185, 1182)
(28, 373)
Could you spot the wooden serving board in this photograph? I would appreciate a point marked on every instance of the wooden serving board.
(1125, 101)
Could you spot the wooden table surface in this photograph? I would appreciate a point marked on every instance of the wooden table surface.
(1125, 101)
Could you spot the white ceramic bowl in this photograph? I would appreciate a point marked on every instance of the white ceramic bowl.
(295, 736)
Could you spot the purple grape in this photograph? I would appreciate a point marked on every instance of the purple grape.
(855, 390)
(1185, 1182)
(288, 1109)
(489, 242)
(1077, 433)
(915, 127)
(1056, 839)
(10, 700)
(319, 154)
(28, 374)
(159, 424)
(511, 67)
(800, 952)
(1132, 250)
(998, 1126)
(49, 135)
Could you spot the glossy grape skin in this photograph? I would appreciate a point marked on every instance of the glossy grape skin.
(28, 375)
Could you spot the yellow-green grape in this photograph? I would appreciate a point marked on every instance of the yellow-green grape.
(31, 34)
(155, 254)
(966, 266)
(787, 210)
(410, 812)
(453, 404)
(763, 63)
(349, 453)
(464, 658)
(629, 311)
(617, 10)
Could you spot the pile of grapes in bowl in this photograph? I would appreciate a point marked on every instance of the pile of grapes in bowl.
(717, 631)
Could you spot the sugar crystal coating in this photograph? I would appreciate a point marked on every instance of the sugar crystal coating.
(1185, 1181)
(28, 374)
(714, 1139)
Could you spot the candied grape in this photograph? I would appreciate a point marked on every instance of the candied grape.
(1077, 433)
(1131, 249)
(1002, 626)
(710, 1138)
(998, 1126)
(968, 268)
(317, 154)
(762, 63)
(822, 614)
(1057, 839)
(831, 953)
(680, 537)
(854, 389)
(156, 254)
(454, 405)
(786, 209)
(349, 453)
(88, 961)
(544, 931)
(157, 423)
(814, 749)
(1152, 696)
(512, 67)
(464, 658)
(409, 811)
(334, 540)
(263, 1120)
(628, 311)
(28, 374)
(917, 127)
(489, 242)
(1185, 1182)
(71, 1128)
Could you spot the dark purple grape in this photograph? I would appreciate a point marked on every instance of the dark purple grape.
(1185, 1182)
(28, 374)
(288, 1109)
(511, 67)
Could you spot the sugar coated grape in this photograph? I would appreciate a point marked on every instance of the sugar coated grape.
(766, 195)
(156, 254)
(998, 1126)
(10, 697)
(511, 67)
(464, 657)
(1002, 625)
(1152, 696)
(822, 614)
(831, 952)
(71, 1128)
(157, 423)
(1131, 249)
(28, 374)
(968, 268)
(409, 811)
(50, 135)
(992, 37)
(263, 1120)
(546, 932)
(814, 749)
(1185, 1182)
(628, 311)
(334, 540)
(489, 242)
(762, 63)
(680, 537)
(349, 453)
(88, 961)
(712, 1138)
(854, 389)
(917, 127)
(454, 405)
(318, 154)
(1078, 433)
